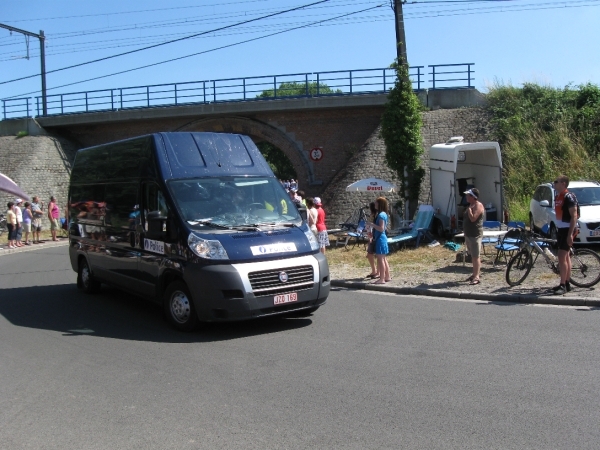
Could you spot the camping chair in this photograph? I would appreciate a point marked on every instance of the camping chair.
(510, 244)
(492, 240)
(419, 230)
(359, 234)
(510, 225)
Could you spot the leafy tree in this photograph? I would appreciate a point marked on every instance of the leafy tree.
(401, 131)
(295, 89)
(280, 164)
(544, 131)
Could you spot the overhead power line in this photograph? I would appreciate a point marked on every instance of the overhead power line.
(318, 22)
(173, 41)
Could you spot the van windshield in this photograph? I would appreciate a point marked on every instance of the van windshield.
(229, 202)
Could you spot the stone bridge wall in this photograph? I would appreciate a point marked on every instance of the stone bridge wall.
(369, 162)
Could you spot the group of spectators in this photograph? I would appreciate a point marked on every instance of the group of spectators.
(25, 217)
(289, 184)
(315, 214)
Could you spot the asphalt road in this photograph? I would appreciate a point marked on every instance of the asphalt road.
(366, 371)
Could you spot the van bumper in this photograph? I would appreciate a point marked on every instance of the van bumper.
(231, 292)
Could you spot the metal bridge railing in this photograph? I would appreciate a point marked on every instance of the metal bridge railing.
(15, 108)
(267, 87)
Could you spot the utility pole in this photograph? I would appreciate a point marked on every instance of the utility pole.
(42, 39)
(400, 36)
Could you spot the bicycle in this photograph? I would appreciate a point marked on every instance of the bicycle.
(585, 270)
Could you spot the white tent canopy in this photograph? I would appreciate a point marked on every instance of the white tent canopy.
(374, 185)
(8, 185)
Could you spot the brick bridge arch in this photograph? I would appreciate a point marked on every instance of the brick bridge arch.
(259, 131)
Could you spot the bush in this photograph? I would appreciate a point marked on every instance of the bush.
(544, 132)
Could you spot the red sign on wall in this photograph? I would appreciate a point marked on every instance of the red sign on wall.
(316, 154)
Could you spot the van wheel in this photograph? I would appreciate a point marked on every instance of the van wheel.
(85, 280)
(179, 307)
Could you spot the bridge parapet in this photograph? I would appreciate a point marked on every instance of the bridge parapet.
(260, 88)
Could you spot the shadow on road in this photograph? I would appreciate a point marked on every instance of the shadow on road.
(116, 314)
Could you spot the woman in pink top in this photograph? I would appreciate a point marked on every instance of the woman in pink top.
(53, 216)
(323, 237)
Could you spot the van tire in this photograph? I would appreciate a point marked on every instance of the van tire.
(179, 307)
(85, 279)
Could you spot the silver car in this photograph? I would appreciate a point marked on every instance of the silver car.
(541, 209)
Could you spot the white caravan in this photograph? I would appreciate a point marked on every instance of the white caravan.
(457, 166)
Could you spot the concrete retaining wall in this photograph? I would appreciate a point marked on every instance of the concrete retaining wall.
(40, 165)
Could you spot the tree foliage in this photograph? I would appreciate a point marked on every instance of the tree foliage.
(294, 89)
(280, 164)
(545, 131)
(401, 131)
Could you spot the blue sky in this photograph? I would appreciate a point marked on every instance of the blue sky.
(513, 41)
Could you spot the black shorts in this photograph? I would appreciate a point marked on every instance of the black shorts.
(561, 239)
(371, 248)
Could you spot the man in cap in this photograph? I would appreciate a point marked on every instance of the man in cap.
(19, 213)
(473, 229)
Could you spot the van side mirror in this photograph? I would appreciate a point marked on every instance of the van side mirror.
(545, 203)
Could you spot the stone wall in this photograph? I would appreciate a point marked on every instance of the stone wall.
(40, 165)
(369, 162)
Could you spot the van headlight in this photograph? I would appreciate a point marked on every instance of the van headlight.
(314, 244)
(205, 248)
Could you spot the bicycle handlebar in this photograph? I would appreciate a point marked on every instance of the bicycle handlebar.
(535, 236)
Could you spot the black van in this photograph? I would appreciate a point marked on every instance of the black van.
(197, 222)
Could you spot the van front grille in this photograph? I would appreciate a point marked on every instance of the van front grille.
(267, 282)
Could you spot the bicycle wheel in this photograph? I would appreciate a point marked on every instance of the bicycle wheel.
(585, 267)
(519, 267)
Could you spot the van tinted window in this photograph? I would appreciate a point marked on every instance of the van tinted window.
(122, 205)
(122, 161)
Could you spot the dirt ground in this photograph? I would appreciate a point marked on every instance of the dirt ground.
(441, 268)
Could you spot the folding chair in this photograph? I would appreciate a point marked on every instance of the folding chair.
(510, 225)
(358, 235)
(419, 230)
(510, 243)
(490, 240)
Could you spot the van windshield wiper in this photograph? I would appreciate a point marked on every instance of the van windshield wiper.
(208, 223)
(274, 224)
(245, 227)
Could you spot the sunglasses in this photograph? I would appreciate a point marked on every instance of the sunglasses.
(556, 181)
